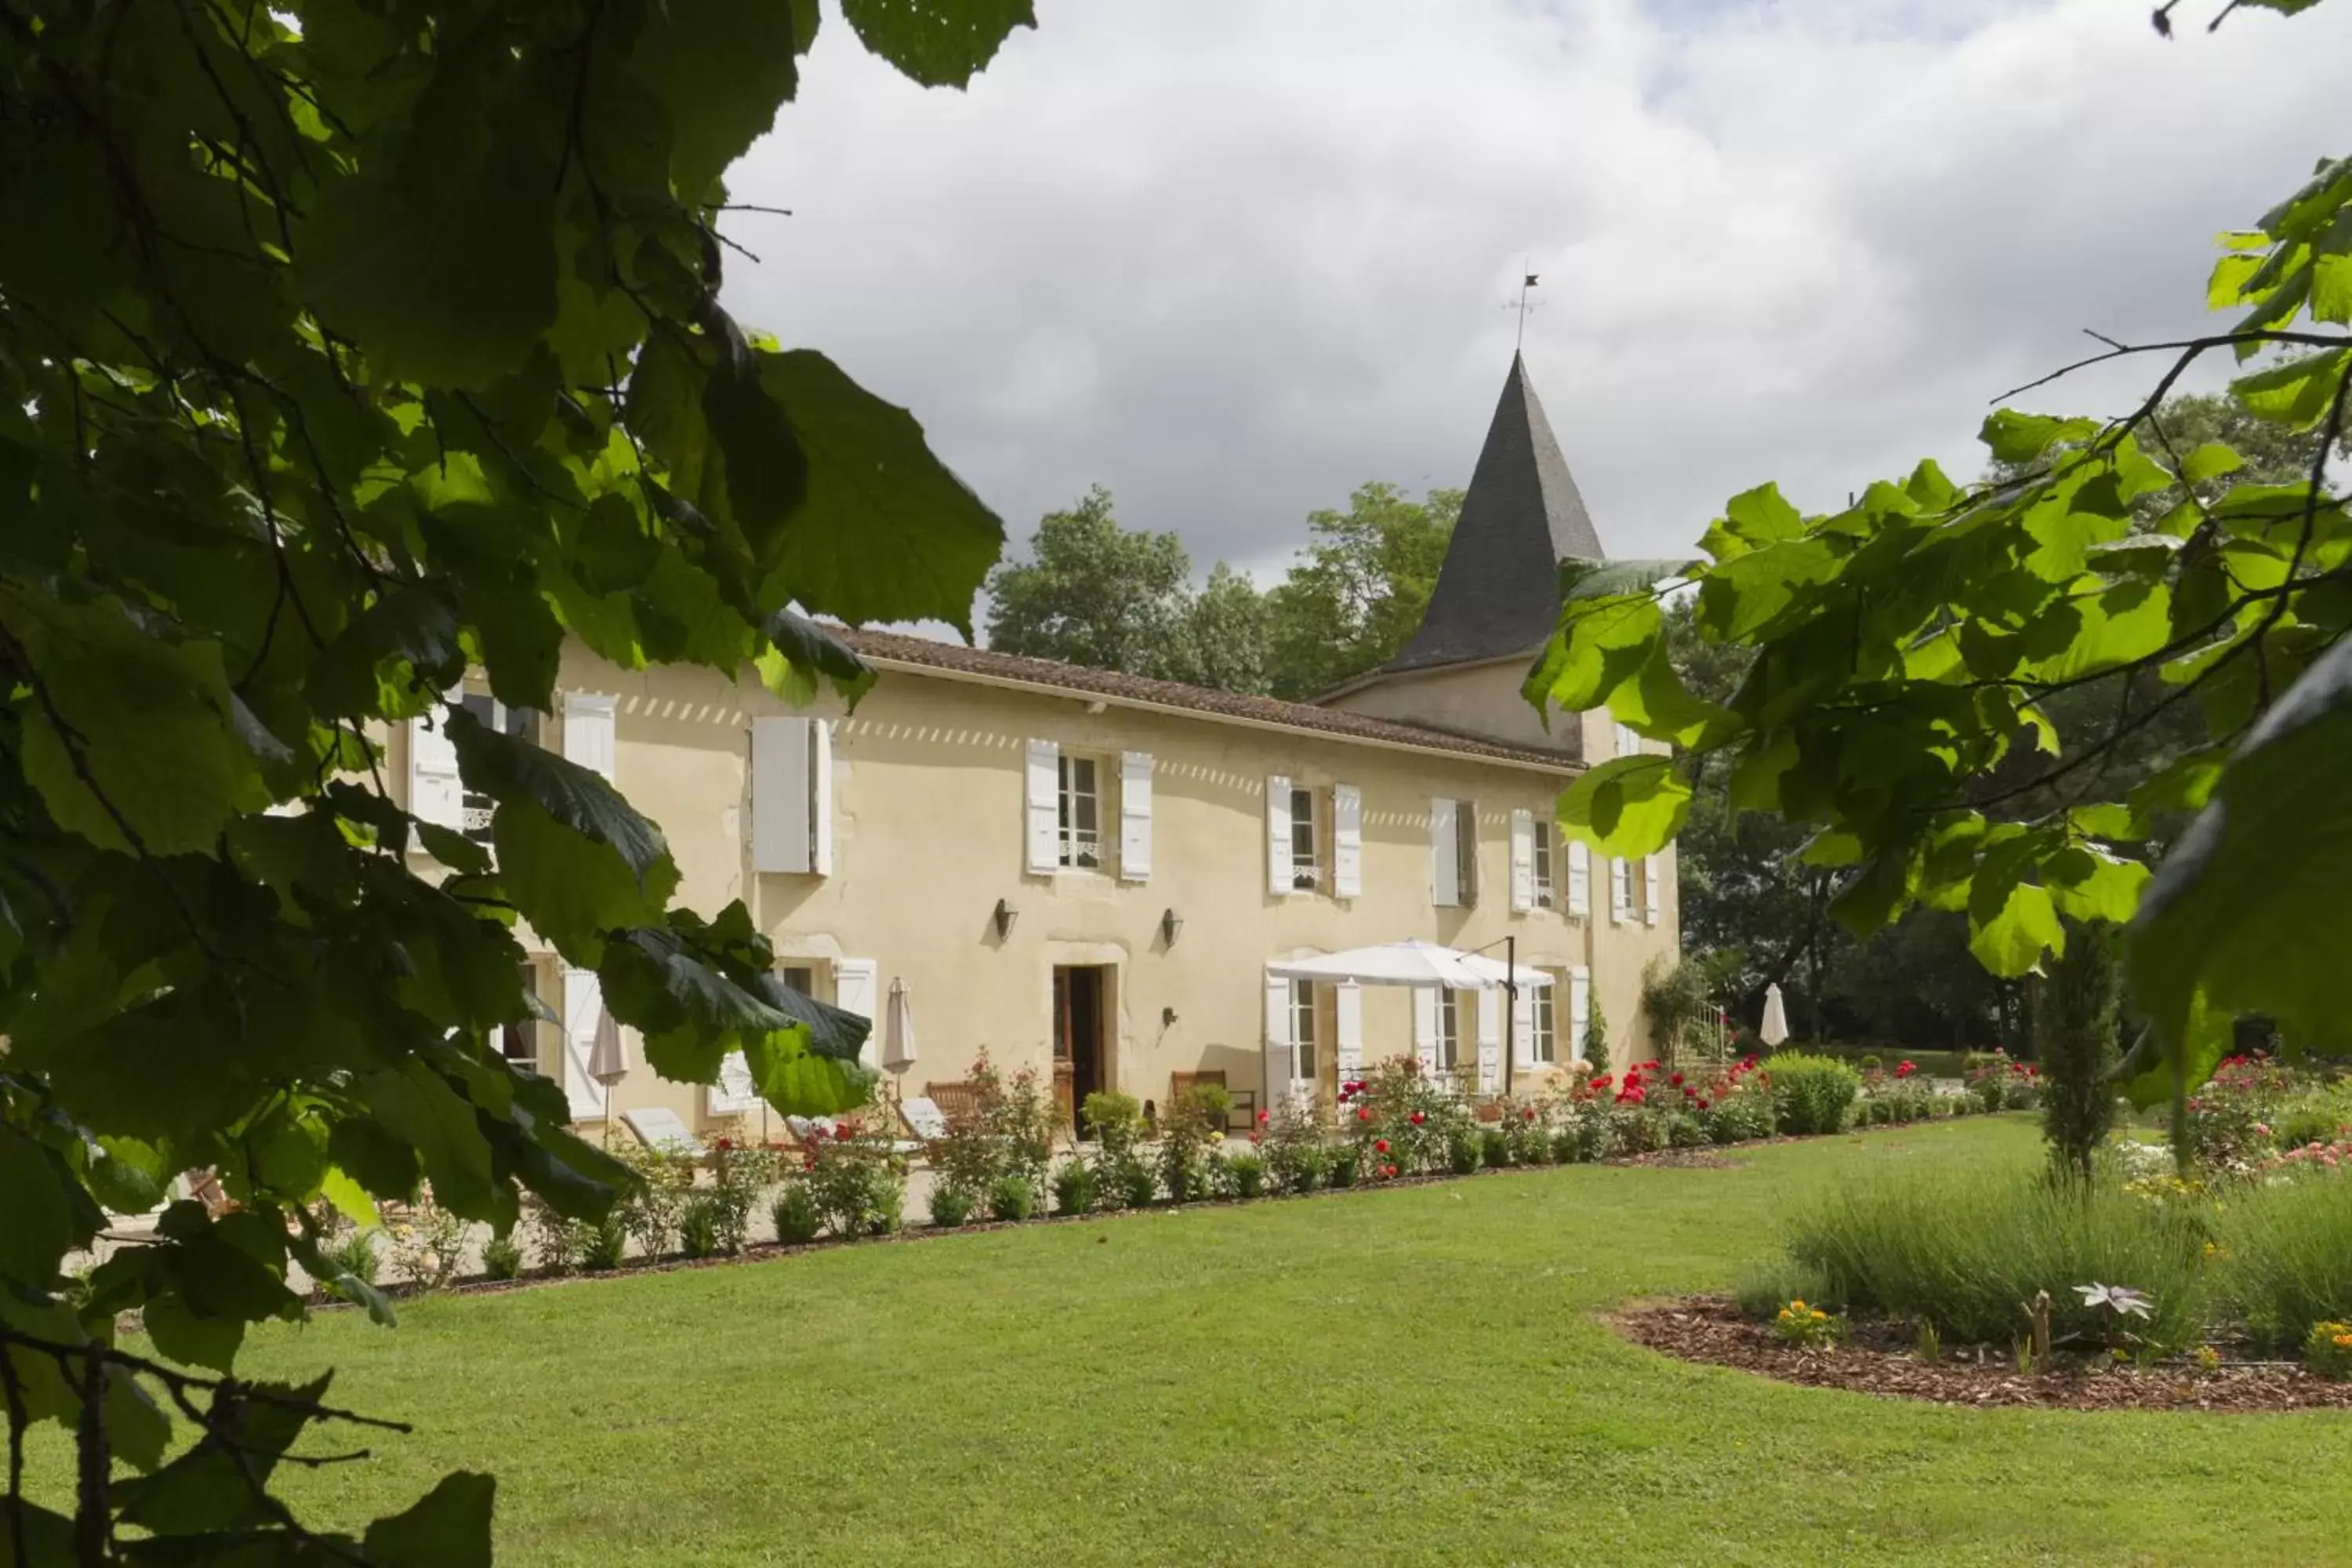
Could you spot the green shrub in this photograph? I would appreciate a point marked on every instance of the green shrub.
(1870, 1062)
(355, 1255)
(1494, 1148)
(1244, 1176)
(795, 1214)
(1295, 1139)
(2074, 1037)
(1964, 1254)
(2285, 1252)
(1573, 1144)
(2327, 1349)
(950, 1207)
(603, 1246)
(1012, 1198)
(1812, 1094)
(1764, 1286)
(1136, 1184)
(1347, 1165)
(1464, 1153)
(1074, 1188)
(2316, 1117)
(700, 1223)
(501, 1258)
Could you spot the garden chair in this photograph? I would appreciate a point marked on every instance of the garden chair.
(658, 1128)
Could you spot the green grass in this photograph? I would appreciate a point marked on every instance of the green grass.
(1409, 1376)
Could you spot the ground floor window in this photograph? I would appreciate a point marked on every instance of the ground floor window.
(1302, 1029)
(1542, 1036)
(1449, 1030)
(518, 1041)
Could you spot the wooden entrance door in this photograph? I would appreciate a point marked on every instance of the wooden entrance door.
(1079, 996)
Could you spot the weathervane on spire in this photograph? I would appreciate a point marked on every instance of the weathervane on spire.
(1523, 305)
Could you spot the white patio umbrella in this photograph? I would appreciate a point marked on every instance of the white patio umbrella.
(1775, 1026)
(1413, 963)
(608, 1061)
(899, 1031)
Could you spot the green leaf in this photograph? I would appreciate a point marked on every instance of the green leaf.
(940, 43)
(511, 770)
(1581, 579)
(1629, 807)
(749, 420)
(2088, 884)
(417, 1106)
(721, 69)
(886, 533)
(2210, 461)
(796, 1082)
(2241, 911)
(36, 1222)
(2015, 437)
(2331, 289)
(183, 1336)
(571, 888)
(2296, 394)
(412, 627)
(2011, 939)
(802, 651)
(1602, 644)
(448, 1527)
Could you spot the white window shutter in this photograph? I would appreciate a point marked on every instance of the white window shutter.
(1044, 819)
(1347, 842)
(1425, 1027)
(819, 796)
(853, 992)
(1629, 744)
(1523, 1027)
(734, 1094)
(1279, 871)
(1490, 1040)
(589, 731)
(1445, 855)
(1135, 816)
(435, 793)
(583, 1001)
(1620, 890)
(1579, 1012)
(1281, 1052)
(1652, 882)
(1523, 861)
(1350, 1009)
(780, 796)
(1580, 878)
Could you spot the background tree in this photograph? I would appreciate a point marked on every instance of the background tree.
(1095, 592)
(1359, 589)
(1908, 647)
(344, 351)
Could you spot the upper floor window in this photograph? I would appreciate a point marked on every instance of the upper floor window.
(1545, 847)
(1081, 812)
(522, 724)
(1306, 840)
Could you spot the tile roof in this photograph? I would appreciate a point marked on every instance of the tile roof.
(1045, 674)
(1499, 592)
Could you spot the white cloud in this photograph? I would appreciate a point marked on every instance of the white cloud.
(1233, 259)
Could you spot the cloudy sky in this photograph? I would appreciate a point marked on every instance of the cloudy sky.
(1231, 258)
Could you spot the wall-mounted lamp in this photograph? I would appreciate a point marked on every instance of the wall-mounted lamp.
(1168, 1017)
(1172, 926)
(1005, 915)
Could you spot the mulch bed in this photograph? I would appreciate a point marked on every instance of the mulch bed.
(1879, 1359)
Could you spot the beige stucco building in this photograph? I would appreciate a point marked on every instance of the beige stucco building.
(1087, 873)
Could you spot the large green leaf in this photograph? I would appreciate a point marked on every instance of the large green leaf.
(940, 43)
(1629, 807)
(1602, 644)
(2244, 910)
(37, 1221)
(448, 1527)
(886, 533)
(720, 69)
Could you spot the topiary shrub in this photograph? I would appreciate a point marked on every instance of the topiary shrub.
(1494, 1149)
(1011, 1199)
(501, 1258)
(1812, 1094)
(1074, 1188)
(698, 1225)
(1347, 1165)
(795, 1214)
(2075, 1042)
(950, 1207)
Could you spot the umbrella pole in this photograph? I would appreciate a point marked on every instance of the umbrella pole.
(1510, 1012)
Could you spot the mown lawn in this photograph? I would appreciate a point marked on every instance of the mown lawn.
(1409, 1376)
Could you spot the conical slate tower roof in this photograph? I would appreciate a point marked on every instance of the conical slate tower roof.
(1498, 595)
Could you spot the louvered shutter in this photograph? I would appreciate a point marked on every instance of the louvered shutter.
(1280, 873)
(1349, 1015)
(1281, 1051)
(1621, 890)
(819, 796)
(780, 794)
(1135, 816)
(1425, 1027)
(1045, 806)
(589, 733)
(1523, 1027)
(1445, 855)
(1653, 889)
(1579, 1010)
(1580, 878)
(584, 999)
(1347, 841)
(435, 792)
(853, 992)
(1490, 1040)
(1523, 861)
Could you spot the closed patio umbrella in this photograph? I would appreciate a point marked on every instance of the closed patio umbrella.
(1775, 1027)
(1413, 963)
(899, 1031)
(608, 1061)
